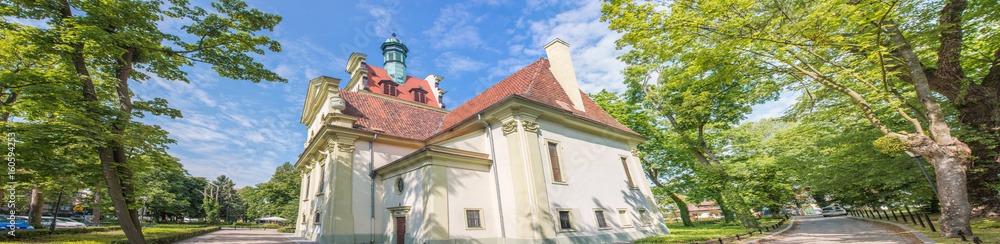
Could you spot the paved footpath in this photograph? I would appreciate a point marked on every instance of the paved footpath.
(841, 229)
(249, 236)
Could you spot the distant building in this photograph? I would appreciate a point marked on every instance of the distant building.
(531, 158)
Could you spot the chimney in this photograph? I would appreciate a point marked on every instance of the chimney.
(561, 66)
(435, 88)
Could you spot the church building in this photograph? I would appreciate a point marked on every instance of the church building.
(531, 159)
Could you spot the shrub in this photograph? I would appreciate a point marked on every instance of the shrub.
(29, 234)
(286, 230)
(175, 237)
(271, 226)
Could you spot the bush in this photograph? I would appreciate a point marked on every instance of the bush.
(286, 230)
(30, 234)
(180, 226)
(175, 237)
(271, 226)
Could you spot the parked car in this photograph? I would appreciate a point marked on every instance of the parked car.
(85, 220)
(62, 222)
(833, 211)
(18, 224)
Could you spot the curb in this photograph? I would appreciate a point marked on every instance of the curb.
(790, 224)
(916, 233)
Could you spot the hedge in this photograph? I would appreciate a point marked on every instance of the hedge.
(286, 230)
(28, 234)
(176, 236)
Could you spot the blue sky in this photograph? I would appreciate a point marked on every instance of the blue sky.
(245, 130)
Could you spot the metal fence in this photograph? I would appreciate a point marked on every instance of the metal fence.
(891, 215)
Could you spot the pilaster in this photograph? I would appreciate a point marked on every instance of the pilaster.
(533, 216)
(340, 217)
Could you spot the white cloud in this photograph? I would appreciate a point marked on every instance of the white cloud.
(455, 28)
(459, 63)
(592, 46)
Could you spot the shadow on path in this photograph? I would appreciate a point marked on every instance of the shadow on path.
(245, 236)
(819, 229)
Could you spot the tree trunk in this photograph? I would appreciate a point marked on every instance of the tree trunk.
(948, 155)
(685, 213)
(97, 207)
(983, 117)
(35, 207)
(111, 154)
(727, 214)
(955, 207)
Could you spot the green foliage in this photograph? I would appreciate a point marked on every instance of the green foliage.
(890, 145)
(276, 197)
(704, 231)
(289, 229)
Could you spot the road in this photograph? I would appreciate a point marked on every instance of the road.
(841, 229)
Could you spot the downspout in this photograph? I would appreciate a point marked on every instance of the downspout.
(371, 174)
(496, 178)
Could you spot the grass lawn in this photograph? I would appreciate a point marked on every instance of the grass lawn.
(703, 232)
(986, 229)
(101, 237)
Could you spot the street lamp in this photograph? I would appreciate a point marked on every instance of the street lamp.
(917, 157)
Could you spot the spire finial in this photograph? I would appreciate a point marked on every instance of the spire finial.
(394, 34)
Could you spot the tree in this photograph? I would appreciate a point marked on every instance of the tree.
(279, 196)
(107, 44)
(222, 201)
(865, 51)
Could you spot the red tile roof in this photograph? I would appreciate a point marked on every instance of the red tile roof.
(376, 74)
(384, 116)
(534, 82)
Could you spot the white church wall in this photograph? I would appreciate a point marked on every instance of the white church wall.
(595, 179)
(473, 142)
(468, 189)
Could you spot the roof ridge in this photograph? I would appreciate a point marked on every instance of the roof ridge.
(531, 82)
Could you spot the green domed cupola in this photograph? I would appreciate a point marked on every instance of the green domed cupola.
(394, 53)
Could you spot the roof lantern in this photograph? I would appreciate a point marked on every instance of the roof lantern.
(394, 52)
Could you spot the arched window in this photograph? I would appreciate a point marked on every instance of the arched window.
(316, 219)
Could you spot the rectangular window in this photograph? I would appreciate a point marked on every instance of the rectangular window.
(387, 89)
(420, 97)
(628, 176)
(472, 219)
(554, 160)
(320, 187)
(602, 223)
(565, 223)
(643, 217)
(308, 182)
(624, 219)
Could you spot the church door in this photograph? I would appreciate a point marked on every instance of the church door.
(400, 230)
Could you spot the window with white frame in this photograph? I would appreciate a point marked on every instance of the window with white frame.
(473, 218)
(565, 220)
(602, 220)
(644, 218)
(623, 218)
(322, 177)
(555, 164)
